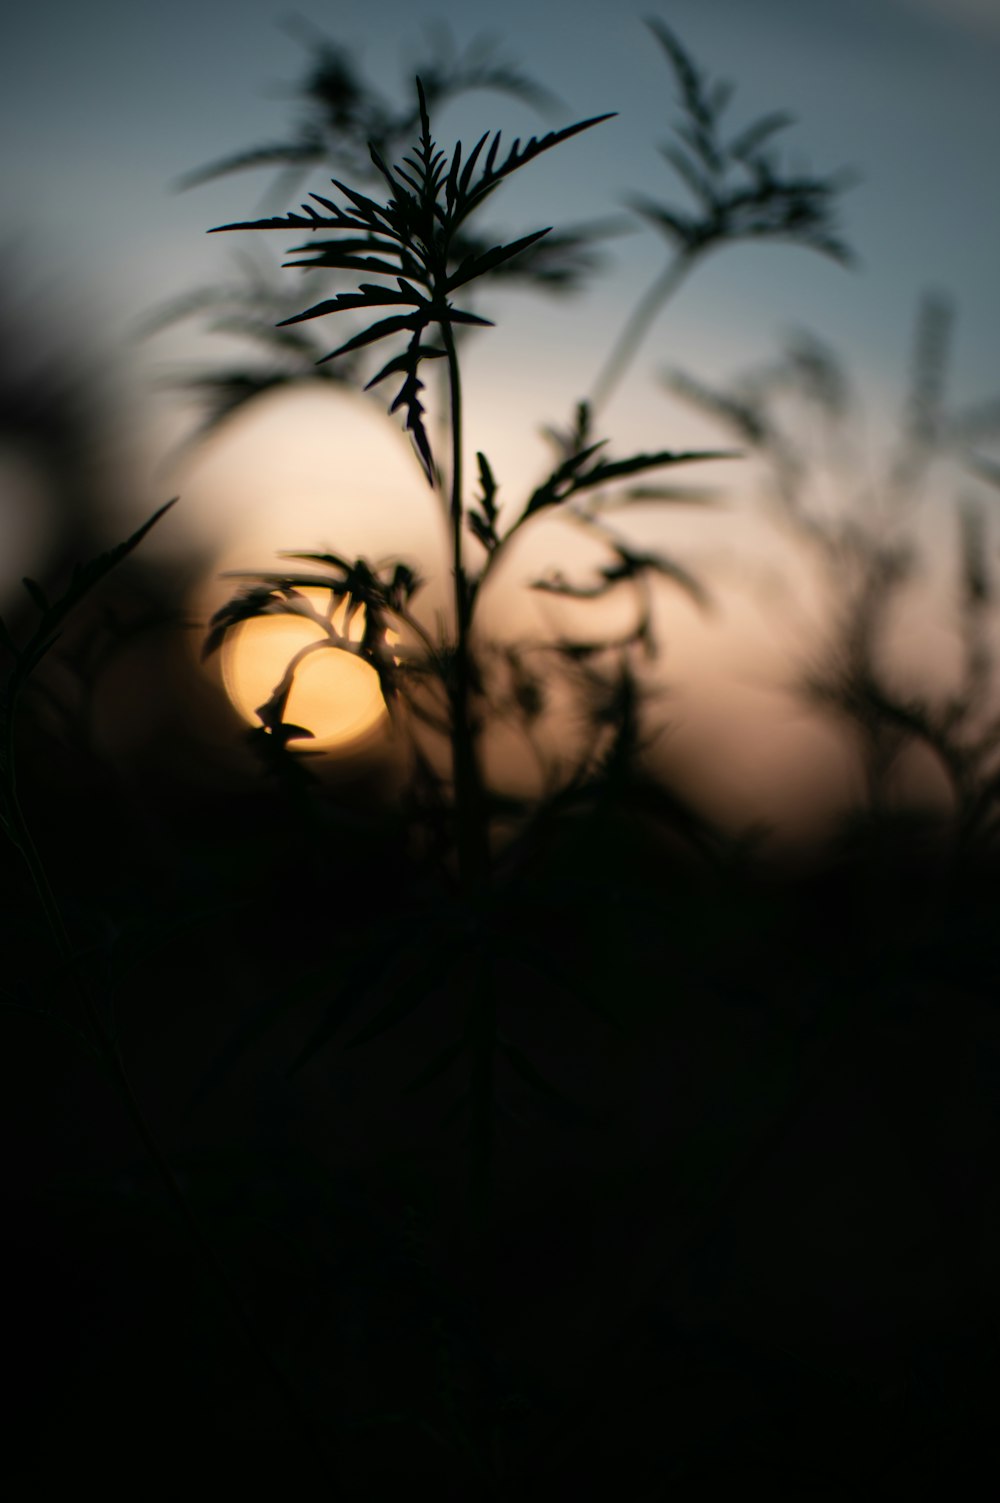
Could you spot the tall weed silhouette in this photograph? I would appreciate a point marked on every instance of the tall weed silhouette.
(524, 1075)
(414, 239)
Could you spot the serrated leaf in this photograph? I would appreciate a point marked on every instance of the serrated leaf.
(308, 220)
(488, 487)
(369, 296)
(559, 484)
(477, 265)
(471, 161)
(381, 330)
(370, 211)
(460, 316)
(409, 396)
(616, 469)
(571, 477)
(401, 363)
(330, 254)
(518, 156)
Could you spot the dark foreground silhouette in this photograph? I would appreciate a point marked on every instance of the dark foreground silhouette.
(743, 1224)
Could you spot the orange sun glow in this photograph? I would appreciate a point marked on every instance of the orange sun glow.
(335, 695)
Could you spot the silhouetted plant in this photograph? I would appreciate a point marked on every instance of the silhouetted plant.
(403, 237)
(411, 244)
(345, 118)
(739, 191)
(409, 239)
(797, 414)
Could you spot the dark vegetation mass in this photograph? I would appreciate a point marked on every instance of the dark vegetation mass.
(434, 1141)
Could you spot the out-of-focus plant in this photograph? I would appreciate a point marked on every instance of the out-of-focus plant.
(798, 415)
(739, 193)
(406, 239)
(410, 251)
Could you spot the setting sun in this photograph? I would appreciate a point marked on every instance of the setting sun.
(334, 694)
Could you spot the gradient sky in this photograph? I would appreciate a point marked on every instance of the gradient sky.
(104, 105)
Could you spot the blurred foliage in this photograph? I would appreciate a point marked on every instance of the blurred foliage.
(799, 415)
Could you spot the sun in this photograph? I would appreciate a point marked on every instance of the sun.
(335, 695)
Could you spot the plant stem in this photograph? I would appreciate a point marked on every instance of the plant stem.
(473, 851)
(635, 328)
(472, 845)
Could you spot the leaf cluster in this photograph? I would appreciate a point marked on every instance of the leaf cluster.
(410, 238)
(344, 115)
(581, 468)
(344, 118)
(739, 189)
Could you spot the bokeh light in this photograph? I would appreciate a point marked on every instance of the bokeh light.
(334, 694)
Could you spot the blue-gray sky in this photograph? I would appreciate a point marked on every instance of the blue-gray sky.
(103, 105)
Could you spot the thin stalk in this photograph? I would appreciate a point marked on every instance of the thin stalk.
(473, 852)
(110, 1056)
(635, 328)
(473, 866)
(473, 855)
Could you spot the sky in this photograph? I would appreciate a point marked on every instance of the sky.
(104, 106)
